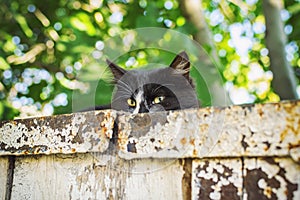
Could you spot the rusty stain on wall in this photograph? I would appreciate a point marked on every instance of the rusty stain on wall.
(252, 130)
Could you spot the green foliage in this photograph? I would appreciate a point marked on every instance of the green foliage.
(249, 70)
(7, 111)
(50, 51)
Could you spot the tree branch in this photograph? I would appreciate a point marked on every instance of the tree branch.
(284, 81)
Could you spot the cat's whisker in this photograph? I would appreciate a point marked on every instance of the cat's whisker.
(123, 88)
(154, 90)
(124, 91)
(168, 85)
(124, 85)
(163, 85)
(125, 96)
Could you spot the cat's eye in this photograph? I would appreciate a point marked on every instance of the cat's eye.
(158, 99)
(131, 102)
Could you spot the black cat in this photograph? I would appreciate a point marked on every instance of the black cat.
(140, 91)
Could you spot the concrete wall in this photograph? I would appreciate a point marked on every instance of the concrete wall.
(237, 152)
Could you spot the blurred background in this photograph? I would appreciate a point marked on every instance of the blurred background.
(45, 46)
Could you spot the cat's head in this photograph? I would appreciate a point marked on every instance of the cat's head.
(160, 89)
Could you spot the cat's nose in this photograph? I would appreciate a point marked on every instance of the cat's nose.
(143, 109)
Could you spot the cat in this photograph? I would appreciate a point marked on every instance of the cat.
(160, 89)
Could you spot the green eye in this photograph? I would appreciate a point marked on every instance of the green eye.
(158, 99)
(131, 102)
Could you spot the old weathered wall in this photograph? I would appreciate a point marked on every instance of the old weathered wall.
(3, 176)
(237, 152)
(85, 176)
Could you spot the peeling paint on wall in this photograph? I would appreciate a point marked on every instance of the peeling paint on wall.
(80, 176)
(271, 178)
(253, 130)
(217, 179)
(236, 152)
(78, 132)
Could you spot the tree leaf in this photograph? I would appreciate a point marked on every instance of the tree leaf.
(3, 64)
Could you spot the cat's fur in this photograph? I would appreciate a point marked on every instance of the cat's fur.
(168, 88)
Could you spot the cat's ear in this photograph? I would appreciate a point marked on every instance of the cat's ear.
(181, 64)
(117, 71)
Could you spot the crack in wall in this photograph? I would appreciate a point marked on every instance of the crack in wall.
(187, 178)
(10, 177)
